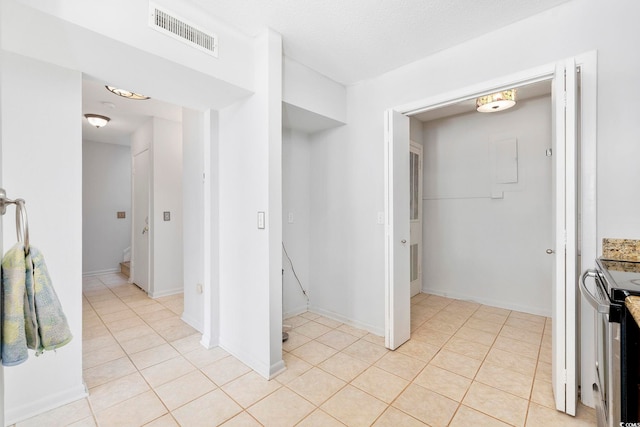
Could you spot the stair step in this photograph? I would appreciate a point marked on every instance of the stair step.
(125, 268)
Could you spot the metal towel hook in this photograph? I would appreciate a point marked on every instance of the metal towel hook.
(22, 222)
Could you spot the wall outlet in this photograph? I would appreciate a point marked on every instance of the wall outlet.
(121, 215)
(167, 216)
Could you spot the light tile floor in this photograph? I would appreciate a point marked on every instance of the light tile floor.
(466, 365)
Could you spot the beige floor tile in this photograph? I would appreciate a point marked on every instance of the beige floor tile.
(542, 394)
(525, 325)
(475, 335)
(344, 366)
(250, 388)
(466, 417)
(427, 406)
(505, 379)
(375, 339)
(224, 370)
(153, 356)
(515, 362)
(184, 389)
(118, 316)
(187, 344)
(354, 407)
(85, 422)
(441, 381)
(166, 371)
(518, 347)
(528, 317)
(176, 332)
(294, 368)
(543, 371)
(62, 416)
(202, 357)
(243, 419)
(319, 418)
(131, 333)
(314, 352)
(545, 354)
(164, 421)
(295, 321)
(102, 355)
(137, 411)
(496, 403)
(352, 330)
(366, 351)
(316, 385)
(312, 329)
(122, 324)
(212, 409)
(328, 322)
(442, 326)
(146, 342)
(521, 335)
(150, 308)
(109, 371)
(381, 384)
(467, 348)
(280, 409)
(490, 317)
(295, 340)
(429, 336)
(483, 325)
(337, 339)
(310, 315)
(393, 417)
(542, 416)
(116, 391)
(456, 363)
(418, 350)
(154, 316)
(401, 365)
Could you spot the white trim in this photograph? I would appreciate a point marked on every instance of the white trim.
(52, 401)
(100, 272)
(167, 292)
(191, 321)
(349, 322)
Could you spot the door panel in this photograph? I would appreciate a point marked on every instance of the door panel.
(397, 236)
(141, 229)
(415, 213)
(565, 231)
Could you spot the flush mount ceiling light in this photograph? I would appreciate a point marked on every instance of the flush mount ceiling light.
(97, 120)
(126, 93)
(496, 101)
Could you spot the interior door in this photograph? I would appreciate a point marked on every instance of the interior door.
(415, 217)
(565, 231)
(141, 229)
(397, 288)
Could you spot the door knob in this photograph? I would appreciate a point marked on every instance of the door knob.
(549, 251)
(145, 229)
(403, 241)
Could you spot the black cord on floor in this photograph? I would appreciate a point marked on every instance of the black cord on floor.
(294, 273)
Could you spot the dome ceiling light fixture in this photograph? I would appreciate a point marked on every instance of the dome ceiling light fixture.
(126, 93)
(97, 120)
(496, 101)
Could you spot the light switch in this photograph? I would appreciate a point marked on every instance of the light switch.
(261, 220)
(167, 216)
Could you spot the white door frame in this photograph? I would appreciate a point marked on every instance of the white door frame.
(587, 196)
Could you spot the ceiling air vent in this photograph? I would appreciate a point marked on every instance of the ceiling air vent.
(167, 23)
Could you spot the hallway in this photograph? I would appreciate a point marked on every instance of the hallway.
(466, 364)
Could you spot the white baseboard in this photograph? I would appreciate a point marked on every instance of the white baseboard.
(342, 319)
(198, 326)
(489, 301)
(37, 407)
(260, 368)
(100, 272)
(166, 293)
(294, 312)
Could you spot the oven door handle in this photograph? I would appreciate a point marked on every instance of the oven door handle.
(599, 305)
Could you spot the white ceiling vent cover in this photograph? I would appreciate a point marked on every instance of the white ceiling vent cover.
(168, 23)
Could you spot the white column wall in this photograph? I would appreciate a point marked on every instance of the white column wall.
(250, 181)
(42, 163)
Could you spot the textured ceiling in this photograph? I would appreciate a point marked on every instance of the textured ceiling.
(355, 40)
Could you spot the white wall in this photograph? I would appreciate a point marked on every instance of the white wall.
(42, 163)
(479, 248)
(250, 181)
(193, 215)
(166, 196)
(106, 190)
(296, 197)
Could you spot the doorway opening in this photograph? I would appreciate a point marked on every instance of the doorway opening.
(566, 177)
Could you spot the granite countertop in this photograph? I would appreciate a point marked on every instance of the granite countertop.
(633, 304)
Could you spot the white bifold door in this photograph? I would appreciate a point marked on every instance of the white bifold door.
(415, 217)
